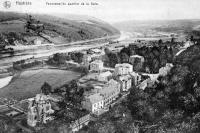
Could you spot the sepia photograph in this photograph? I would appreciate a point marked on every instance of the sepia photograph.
(99, 66)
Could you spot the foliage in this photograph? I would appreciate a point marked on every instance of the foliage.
(77, 56)
(124, 57)
(18, 65)
(46, 88)
(58, 59)
(72, 93)
(170, 105)
(113, 59)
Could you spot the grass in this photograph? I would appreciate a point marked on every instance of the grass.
(28, 83)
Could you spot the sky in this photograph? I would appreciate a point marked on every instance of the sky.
(115, 10)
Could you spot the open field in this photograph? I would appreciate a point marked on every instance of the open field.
(28, 83)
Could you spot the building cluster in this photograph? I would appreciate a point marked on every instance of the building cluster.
(102, 89)
(92, 55)
(106, 86)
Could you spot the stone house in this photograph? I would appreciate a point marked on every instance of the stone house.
(39, 110)
(123, 69)
(96, 66)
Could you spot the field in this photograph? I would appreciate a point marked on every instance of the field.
(28, 83)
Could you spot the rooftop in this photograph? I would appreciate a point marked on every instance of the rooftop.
(94, 98)
(123, 65)
(136, 56)
(105, 74)
(109, 87)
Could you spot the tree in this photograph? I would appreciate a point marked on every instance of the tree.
(73, 93)
(160, 41)
(126, 50)
(114, 59)
(59, 58)
(77, 57)
(107, 51)
(46, 88)
(124, 57)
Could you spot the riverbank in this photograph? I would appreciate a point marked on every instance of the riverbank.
(5, 81)
(27, 83)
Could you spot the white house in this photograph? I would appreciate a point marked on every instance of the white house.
(86, 59)
(126, 82)
(123, 69)
(93, 102)
(163, 71)
(96, 65)
(37, 41)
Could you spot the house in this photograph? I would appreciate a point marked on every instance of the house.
(136, 78)
(87, 59)
(101, 96)
(126, 82)
(93, 102)
(37, 41)
(163, 71)
(95, 51)
(123, 69)
(96, 65)
(110, 92)
(137, 62)
(39, 110)
(104, 76)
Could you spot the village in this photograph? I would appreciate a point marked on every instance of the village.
(97, 91)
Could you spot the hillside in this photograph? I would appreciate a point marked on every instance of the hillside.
(190, 57)
(155, 28)
(60, 29)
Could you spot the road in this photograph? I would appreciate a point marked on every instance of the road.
(42, 52)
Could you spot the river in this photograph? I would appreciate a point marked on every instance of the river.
(48, 50)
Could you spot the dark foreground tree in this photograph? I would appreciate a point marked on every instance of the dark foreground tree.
(46, 88)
